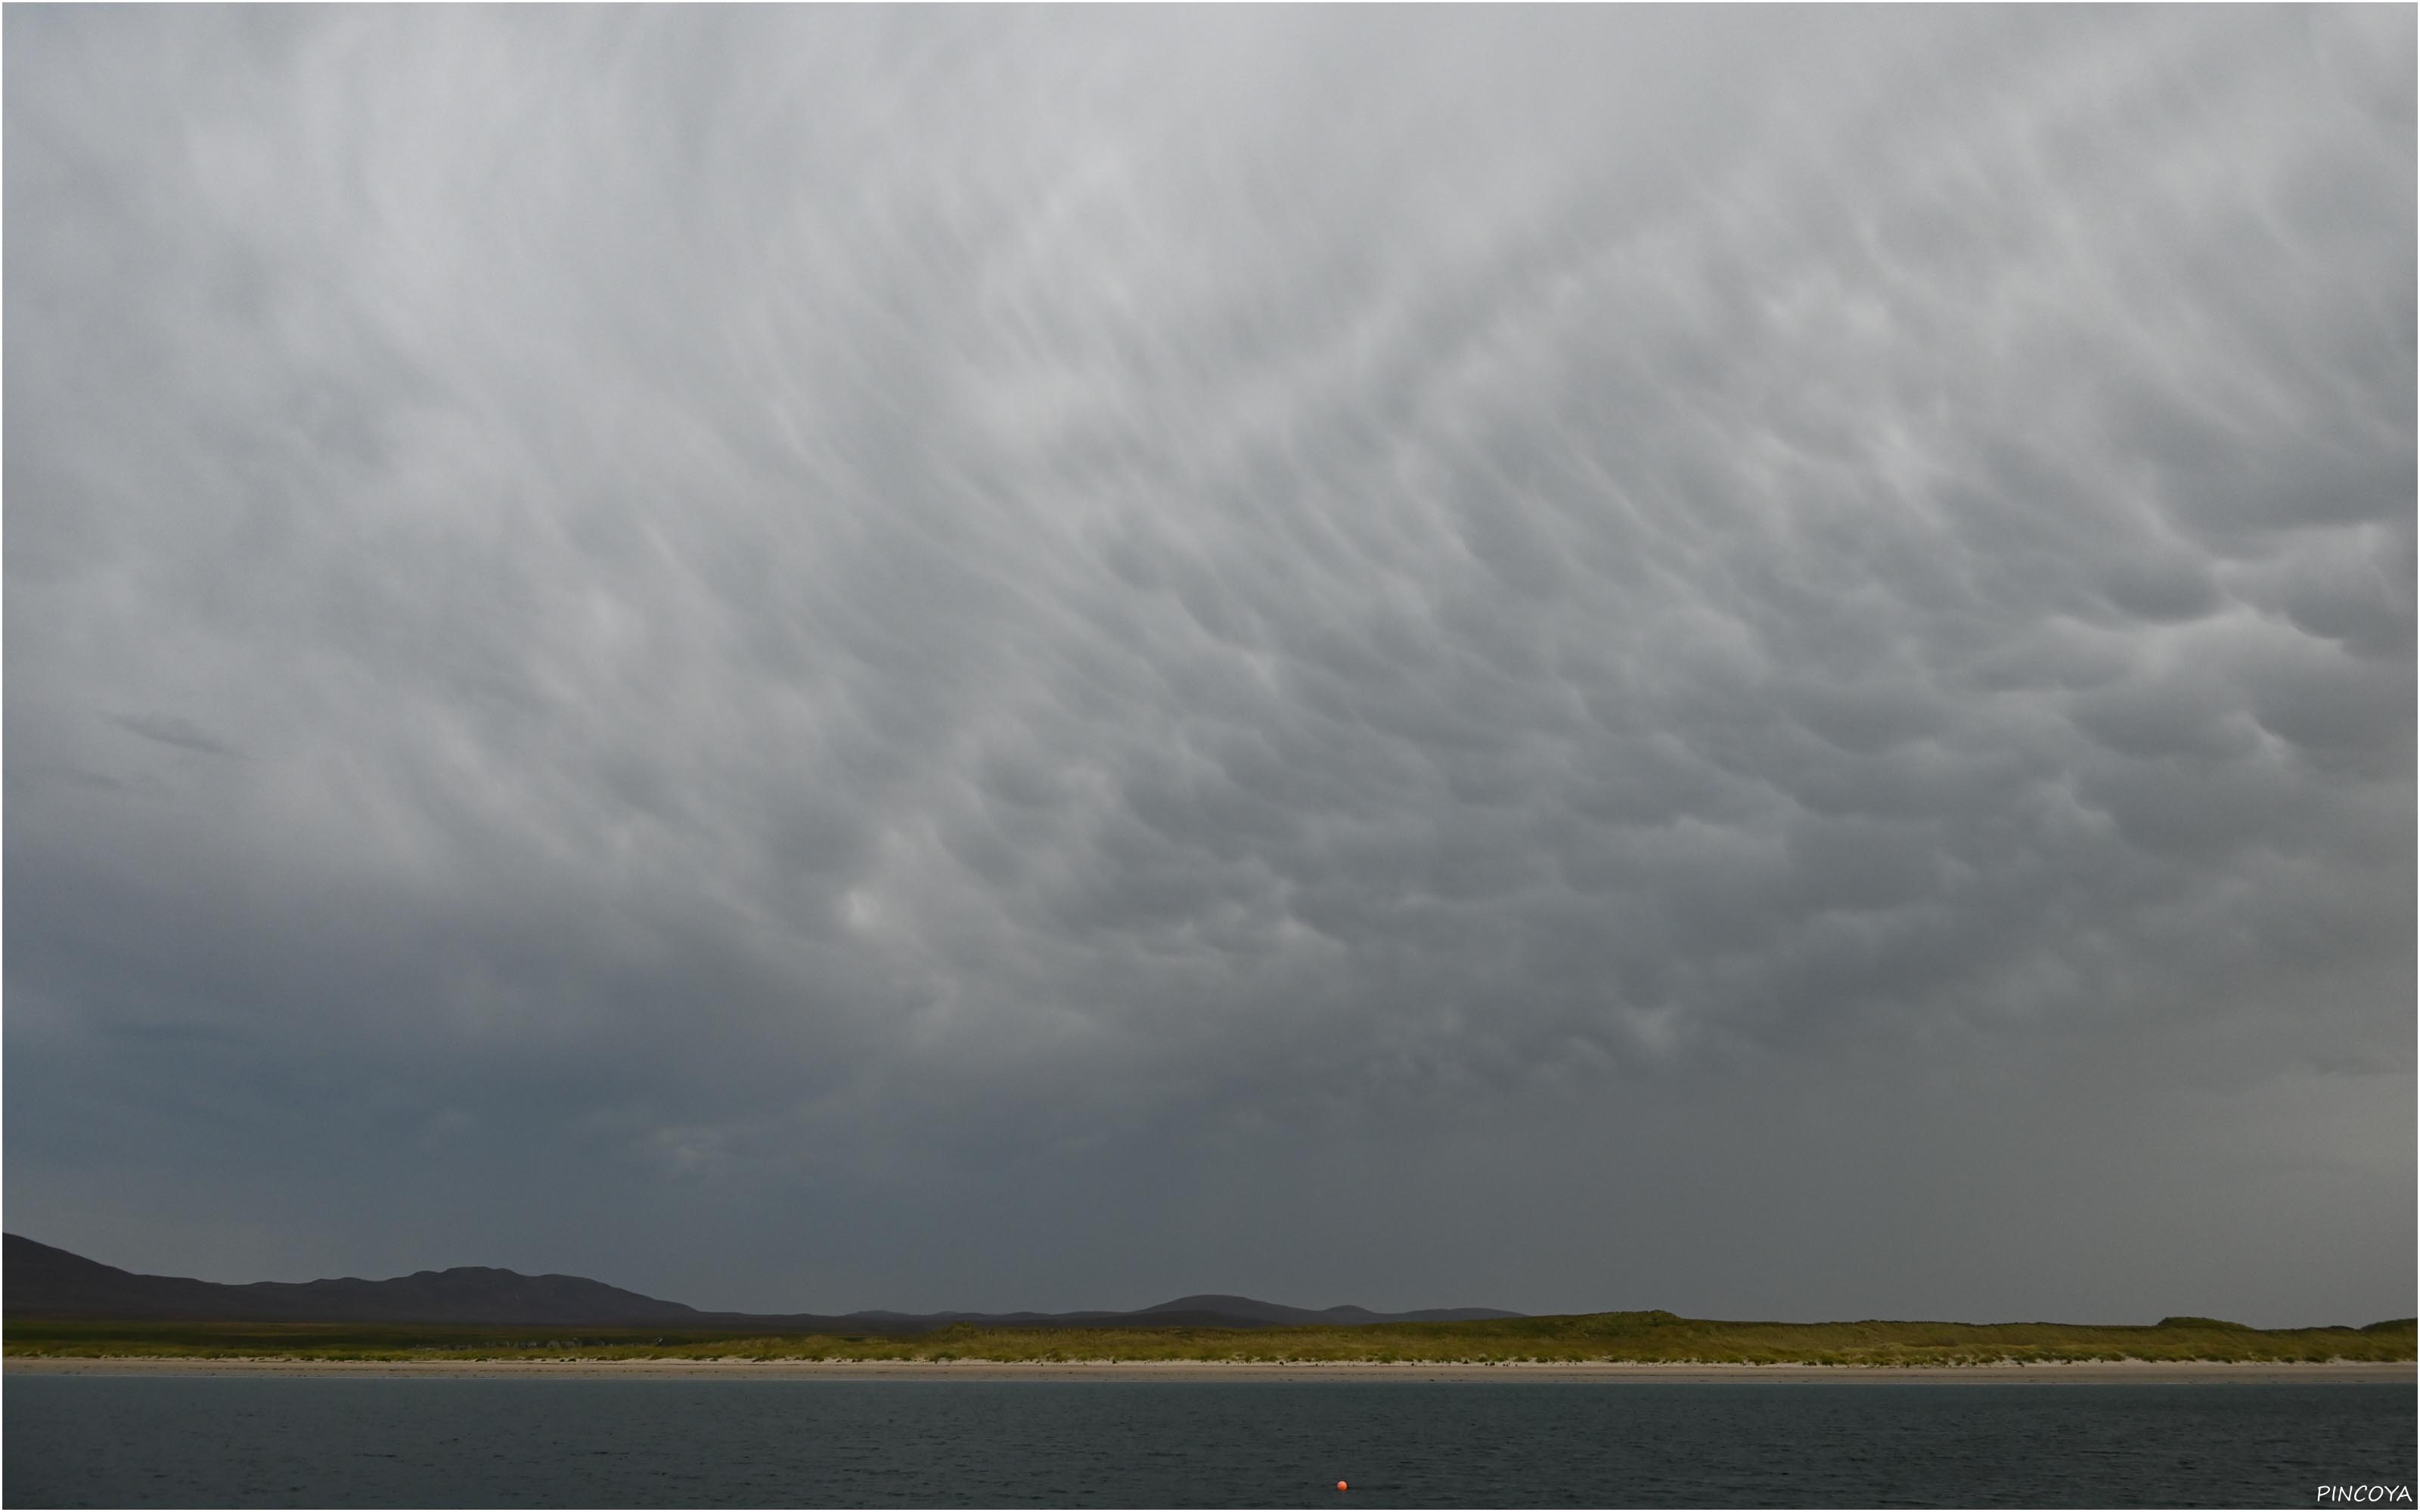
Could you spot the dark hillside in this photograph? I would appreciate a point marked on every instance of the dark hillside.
(43, 1281)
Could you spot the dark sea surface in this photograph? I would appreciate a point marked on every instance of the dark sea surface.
(101, 1440)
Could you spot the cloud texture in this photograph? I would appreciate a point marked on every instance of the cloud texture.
(1760, 663)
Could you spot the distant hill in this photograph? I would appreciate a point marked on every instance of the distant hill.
(43, 1281)
(1262, 1314)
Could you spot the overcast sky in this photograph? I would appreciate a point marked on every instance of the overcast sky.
(1752, 662)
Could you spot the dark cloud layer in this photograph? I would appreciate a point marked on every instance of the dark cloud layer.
(1755, 663)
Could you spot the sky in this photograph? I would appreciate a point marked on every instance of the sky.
(1754, 662)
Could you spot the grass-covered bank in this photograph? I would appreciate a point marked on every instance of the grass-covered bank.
(1646, 1337)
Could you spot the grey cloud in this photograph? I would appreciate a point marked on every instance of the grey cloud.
(175, 730)
(1163, 634)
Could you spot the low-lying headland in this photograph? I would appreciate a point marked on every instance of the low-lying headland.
(2132, 1372)
(66, 1311)
(1645, 1340)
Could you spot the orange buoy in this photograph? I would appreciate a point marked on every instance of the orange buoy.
(1339, 1485)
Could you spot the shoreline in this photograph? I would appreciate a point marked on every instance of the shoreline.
(2135, 1372)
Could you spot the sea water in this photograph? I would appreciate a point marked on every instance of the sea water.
(264, 1441)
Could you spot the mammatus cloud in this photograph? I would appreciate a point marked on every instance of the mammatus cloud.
(1562, 660)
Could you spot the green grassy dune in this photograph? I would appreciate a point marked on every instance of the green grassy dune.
(1641, 1337)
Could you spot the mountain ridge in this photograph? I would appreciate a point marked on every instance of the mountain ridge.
(38, 1280)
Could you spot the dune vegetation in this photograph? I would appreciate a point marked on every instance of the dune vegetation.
(1629, 1336)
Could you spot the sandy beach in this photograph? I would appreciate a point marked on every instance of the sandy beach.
(2099, 1372)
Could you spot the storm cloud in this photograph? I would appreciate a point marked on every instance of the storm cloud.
(1757, 662)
